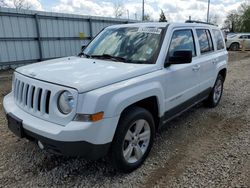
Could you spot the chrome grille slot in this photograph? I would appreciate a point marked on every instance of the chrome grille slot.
(32, 98)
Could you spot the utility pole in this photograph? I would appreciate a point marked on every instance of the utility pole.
(208, 7)
(142, 10)
(128, 13)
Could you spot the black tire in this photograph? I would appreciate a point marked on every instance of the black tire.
(126, 121)
(210, 101)
(234, 47)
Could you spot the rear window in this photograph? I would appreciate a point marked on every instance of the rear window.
(219, 40)
(205, 40)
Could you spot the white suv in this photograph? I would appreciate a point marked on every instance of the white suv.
(238, 41)
(127, 83)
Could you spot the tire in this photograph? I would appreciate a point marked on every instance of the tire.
(234, 47)
(126, 144)
(215, 96)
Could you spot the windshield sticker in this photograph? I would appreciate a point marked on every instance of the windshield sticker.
(149, 30)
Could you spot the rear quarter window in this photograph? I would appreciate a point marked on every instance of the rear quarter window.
(219, 40)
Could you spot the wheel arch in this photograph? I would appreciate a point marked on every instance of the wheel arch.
(151, 104)
(223, 73)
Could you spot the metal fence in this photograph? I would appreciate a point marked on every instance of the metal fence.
(30, 36)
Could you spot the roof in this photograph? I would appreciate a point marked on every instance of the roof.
(163, 24)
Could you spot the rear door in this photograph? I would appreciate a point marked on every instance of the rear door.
(206, 59)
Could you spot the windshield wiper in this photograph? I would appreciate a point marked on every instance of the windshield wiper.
(108, 56)
(83, 54)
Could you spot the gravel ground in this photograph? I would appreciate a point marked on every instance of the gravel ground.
(202, 148)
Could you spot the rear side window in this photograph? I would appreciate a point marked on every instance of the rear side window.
(205, 40)
(182, 40)
(243, 37)
(219, 40)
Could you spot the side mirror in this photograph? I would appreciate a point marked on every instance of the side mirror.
(181, 57)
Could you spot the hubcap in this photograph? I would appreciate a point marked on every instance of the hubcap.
(217, 91)
(136, 141)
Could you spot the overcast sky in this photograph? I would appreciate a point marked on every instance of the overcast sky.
(175, 10)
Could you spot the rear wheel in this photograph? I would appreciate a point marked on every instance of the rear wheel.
(235, 47)
(216, 93)
(133, 139)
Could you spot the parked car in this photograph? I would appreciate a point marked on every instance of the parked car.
(127, 83)
(237, 41)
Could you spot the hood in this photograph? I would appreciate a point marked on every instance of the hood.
(84, 74)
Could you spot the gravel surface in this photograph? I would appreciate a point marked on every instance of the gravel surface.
(201, 148)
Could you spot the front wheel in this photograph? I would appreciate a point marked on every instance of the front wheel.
(216, 93)
(133, 139)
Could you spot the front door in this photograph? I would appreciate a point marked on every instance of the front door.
(181, 80)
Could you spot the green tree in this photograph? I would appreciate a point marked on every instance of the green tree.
(162, 17)
(147, 17)
(239, 20)
(245, 20)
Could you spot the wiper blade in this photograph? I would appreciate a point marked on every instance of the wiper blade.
(108, 56)
(83, 54)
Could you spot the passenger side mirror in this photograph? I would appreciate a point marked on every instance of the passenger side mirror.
(181, 57)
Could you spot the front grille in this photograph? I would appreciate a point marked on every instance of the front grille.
(31, 97)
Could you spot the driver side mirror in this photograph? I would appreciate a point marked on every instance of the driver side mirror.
(180, 57)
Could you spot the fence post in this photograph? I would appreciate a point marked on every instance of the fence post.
(38, 37)
(90, 28)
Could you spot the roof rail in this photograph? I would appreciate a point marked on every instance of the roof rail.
(195, 21)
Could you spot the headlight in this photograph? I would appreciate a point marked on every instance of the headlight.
(66, 102)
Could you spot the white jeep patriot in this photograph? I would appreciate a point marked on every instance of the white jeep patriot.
(128, 82)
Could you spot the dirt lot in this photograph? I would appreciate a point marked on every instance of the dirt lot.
(202, 148)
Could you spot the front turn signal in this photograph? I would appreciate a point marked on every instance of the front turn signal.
(89, 117)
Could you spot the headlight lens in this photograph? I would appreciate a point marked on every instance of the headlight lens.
(66, 102)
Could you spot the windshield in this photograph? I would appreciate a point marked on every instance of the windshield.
(127, 44)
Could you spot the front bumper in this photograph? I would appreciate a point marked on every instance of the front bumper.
(86, 139)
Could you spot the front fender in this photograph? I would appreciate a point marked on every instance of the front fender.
(113, 99)
(127, 97)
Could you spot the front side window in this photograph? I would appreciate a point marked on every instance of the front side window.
(218, 39)
(182, 40)
(129, 44)
(205, 40)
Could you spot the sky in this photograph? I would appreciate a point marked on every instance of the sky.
(175, 10)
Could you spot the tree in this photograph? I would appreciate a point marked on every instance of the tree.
(214, 19)
(245, 20)
(162, 17)
(118, 9)
(239, 20)
(147, 17)
(233, 22)
(3, 3)
(18, 4)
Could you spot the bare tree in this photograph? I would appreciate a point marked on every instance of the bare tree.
(3, 3)
(214, 19)
(147, 17)
(118, 9)
(18, 4)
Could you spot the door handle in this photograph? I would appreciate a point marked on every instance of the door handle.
(196, 68)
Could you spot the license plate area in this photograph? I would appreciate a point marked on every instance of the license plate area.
(15, 125)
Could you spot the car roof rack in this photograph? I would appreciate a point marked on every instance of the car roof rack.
(195, 21)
